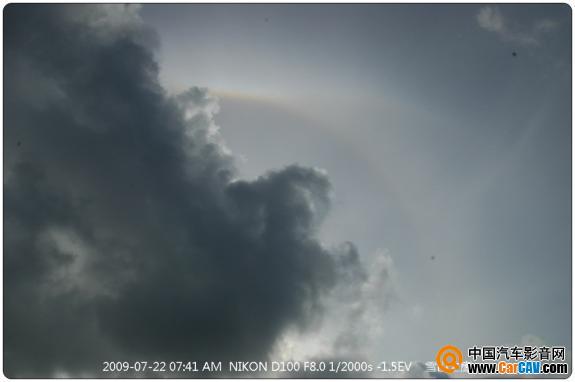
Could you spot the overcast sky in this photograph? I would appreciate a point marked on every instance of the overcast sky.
(430, 202)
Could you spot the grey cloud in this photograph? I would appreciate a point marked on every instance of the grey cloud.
(365, 300)
(491, 19)
(126, 233)
(351, 326)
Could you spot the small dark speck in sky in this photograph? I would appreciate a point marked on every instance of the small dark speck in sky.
(266, 19)
(432, 257)
(514, 54)
(19, 143)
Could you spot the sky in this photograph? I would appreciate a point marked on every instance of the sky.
(439, 142)
(284, 181)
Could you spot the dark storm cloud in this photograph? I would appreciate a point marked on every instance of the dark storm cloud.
(125, 234)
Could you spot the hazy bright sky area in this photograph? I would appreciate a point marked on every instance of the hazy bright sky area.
(445, 130)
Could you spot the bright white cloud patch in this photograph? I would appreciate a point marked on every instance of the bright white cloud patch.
(491, 19)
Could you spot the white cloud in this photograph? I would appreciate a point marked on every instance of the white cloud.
(492, 20)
